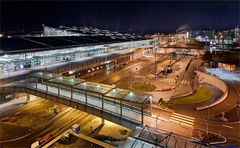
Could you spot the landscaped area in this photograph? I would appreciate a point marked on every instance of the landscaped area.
(200, 95)
(207, 137)
(148, 87)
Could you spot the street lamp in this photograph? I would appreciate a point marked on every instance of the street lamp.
(155, 59)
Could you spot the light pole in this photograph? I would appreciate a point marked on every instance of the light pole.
(157, 121)
(155, 59)
(208, 116)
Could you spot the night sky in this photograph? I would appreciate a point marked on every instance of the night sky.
(139, 17)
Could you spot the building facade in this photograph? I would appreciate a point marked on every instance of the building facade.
(34, 52)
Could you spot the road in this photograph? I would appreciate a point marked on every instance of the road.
(40, 114)
(121, 79)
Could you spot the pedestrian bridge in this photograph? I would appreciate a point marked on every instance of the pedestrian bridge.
(123, 107)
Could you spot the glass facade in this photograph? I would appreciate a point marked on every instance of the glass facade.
(15, 62)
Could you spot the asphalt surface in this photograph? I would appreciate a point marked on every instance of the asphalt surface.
(122, 76)
(40, 112)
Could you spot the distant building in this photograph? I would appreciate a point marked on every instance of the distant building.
(218, 40)
(237, 34)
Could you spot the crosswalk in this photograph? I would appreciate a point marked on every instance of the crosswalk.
(173, 80)
(182, 119)
(170, 80)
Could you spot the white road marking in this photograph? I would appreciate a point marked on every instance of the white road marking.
(227, 126)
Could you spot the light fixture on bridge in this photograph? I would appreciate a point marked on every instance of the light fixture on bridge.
(98, 86)
(131, 94)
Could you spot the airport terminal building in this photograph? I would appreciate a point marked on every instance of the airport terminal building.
(63, 44)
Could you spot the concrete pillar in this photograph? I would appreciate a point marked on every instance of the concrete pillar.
(13, 95)
(102, 121)
(28, 97)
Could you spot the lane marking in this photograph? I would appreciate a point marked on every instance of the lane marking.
(227, 126)
(189, 117)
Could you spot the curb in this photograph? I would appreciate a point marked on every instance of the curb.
(219, 122)
(184, 95)
(15, 138)
(219, 100)
(12, 102)
(212, 143)
(166, 89)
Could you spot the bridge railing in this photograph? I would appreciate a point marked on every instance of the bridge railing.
(132, 113)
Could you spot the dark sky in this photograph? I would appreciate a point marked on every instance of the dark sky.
(139, 17)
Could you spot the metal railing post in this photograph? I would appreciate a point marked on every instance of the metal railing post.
(27, 80)
(46, 86)
(142, 115)
(86, 96)
(102, 103)
(71, 92)
(58, 90)
(36, 83)
(121, 107)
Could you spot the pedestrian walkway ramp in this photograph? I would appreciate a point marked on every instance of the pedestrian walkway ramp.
(123, 107)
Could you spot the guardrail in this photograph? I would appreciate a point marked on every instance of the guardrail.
(217, 83)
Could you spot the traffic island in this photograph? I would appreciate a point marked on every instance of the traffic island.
(208, 138)
(201, 94)
(147, 87)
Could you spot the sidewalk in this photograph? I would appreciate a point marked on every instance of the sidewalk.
(14, 102)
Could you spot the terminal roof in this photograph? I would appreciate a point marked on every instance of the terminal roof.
(22, 44)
